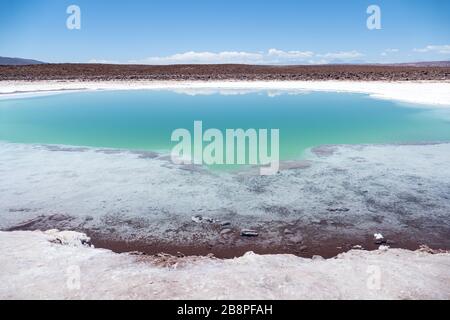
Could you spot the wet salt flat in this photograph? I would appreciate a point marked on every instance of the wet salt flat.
(336, 196)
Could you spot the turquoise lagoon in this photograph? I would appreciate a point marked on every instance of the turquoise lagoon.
(144, 120)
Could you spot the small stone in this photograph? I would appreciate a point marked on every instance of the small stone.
(136, 253)
(379, 239)
(225, 223)
(316, 257)
(249, 233)
(378, 236)
(200, 219)
(303, 248)
(357, 247)
(287, 231)
(338, 209)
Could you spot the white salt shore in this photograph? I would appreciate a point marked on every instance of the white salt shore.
(37, 265)
(436, 93)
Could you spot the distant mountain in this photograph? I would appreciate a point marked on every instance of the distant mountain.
(425, 64)
(18, 61)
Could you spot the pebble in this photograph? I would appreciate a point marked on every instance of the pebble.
(378, 236)
(303, 248)
(287, 231)
(200, 219)
(379, 239)
(315, 257)
(338, 209)
(249, 233)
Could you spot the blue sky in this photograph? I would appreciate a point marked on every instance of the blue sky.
(219, 31)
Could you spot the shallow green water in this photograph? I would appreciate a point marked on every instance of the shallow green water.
(146, 119)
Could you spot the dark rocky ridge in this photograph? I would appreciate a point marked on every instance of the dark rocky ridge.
(91, 72)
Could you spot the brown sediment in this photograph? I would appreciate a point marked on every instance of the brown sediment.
(326, 249)
(105, 72)
(323, 238)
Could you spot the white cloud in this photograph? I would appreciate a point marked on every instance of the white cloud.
(319, 61)
(102, 61)
(290, 54)
(272, 56)
(443, 49)
(389, 51)
(341, 55)
(193, 57)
